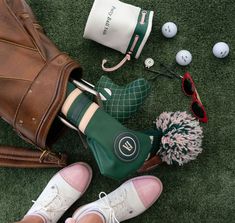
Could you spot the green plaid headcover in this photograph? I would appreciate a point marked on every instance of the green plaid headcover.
(122, 101)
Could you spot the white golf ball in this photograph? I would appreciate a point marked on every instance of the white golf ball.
(169, 29)
(221, 50)
(183, 57)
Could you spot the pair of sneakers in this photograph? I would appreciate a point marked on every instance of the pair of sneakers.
(129, 200)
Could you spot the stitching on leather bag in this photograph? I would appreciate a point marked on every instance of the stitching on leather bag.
(10, 78)
(23, 28)
(15, 18)
(63, 69)
(33, 36)
(19, 45)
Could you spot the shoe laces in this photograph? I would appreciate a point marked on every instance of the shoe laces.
(113, 204)
(53, 202)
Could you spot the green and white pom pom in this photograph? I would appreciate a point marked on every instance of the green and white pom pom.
(181, 137)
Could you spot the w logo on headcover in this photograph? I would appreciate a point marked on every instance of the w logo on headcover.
(126, 146)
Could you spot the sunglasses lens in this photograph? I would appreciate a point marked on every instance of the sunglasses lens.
(188, 86)
(198, 110)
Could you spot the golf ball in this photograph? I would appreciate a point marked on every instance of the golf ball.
(183, 57)
(221, 50)
(169, 29)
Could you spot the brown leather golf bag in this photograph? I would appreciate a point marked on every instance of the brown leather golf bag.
(33, 81)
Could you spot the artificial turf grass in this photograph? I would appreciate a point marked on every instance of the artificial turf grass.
(201, 191)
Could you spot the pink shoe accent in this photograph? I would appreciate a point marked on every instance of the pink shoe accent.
(148, 188)
(70, 220)
(77, 175)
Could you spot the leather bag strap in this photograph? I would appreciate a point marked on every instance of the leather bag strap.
(29, 158)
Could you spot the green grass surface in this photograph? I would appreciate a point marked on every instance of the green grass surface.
(201, 191)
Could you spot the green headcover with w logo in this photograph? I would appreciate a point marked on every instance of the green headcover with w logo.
(121, 102)
(118, 150)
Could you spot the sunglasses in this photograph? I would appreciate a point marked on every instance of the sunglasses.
(189, 89)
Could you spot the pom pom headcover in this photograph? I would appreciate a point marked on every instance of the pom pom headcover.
(181, 137)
